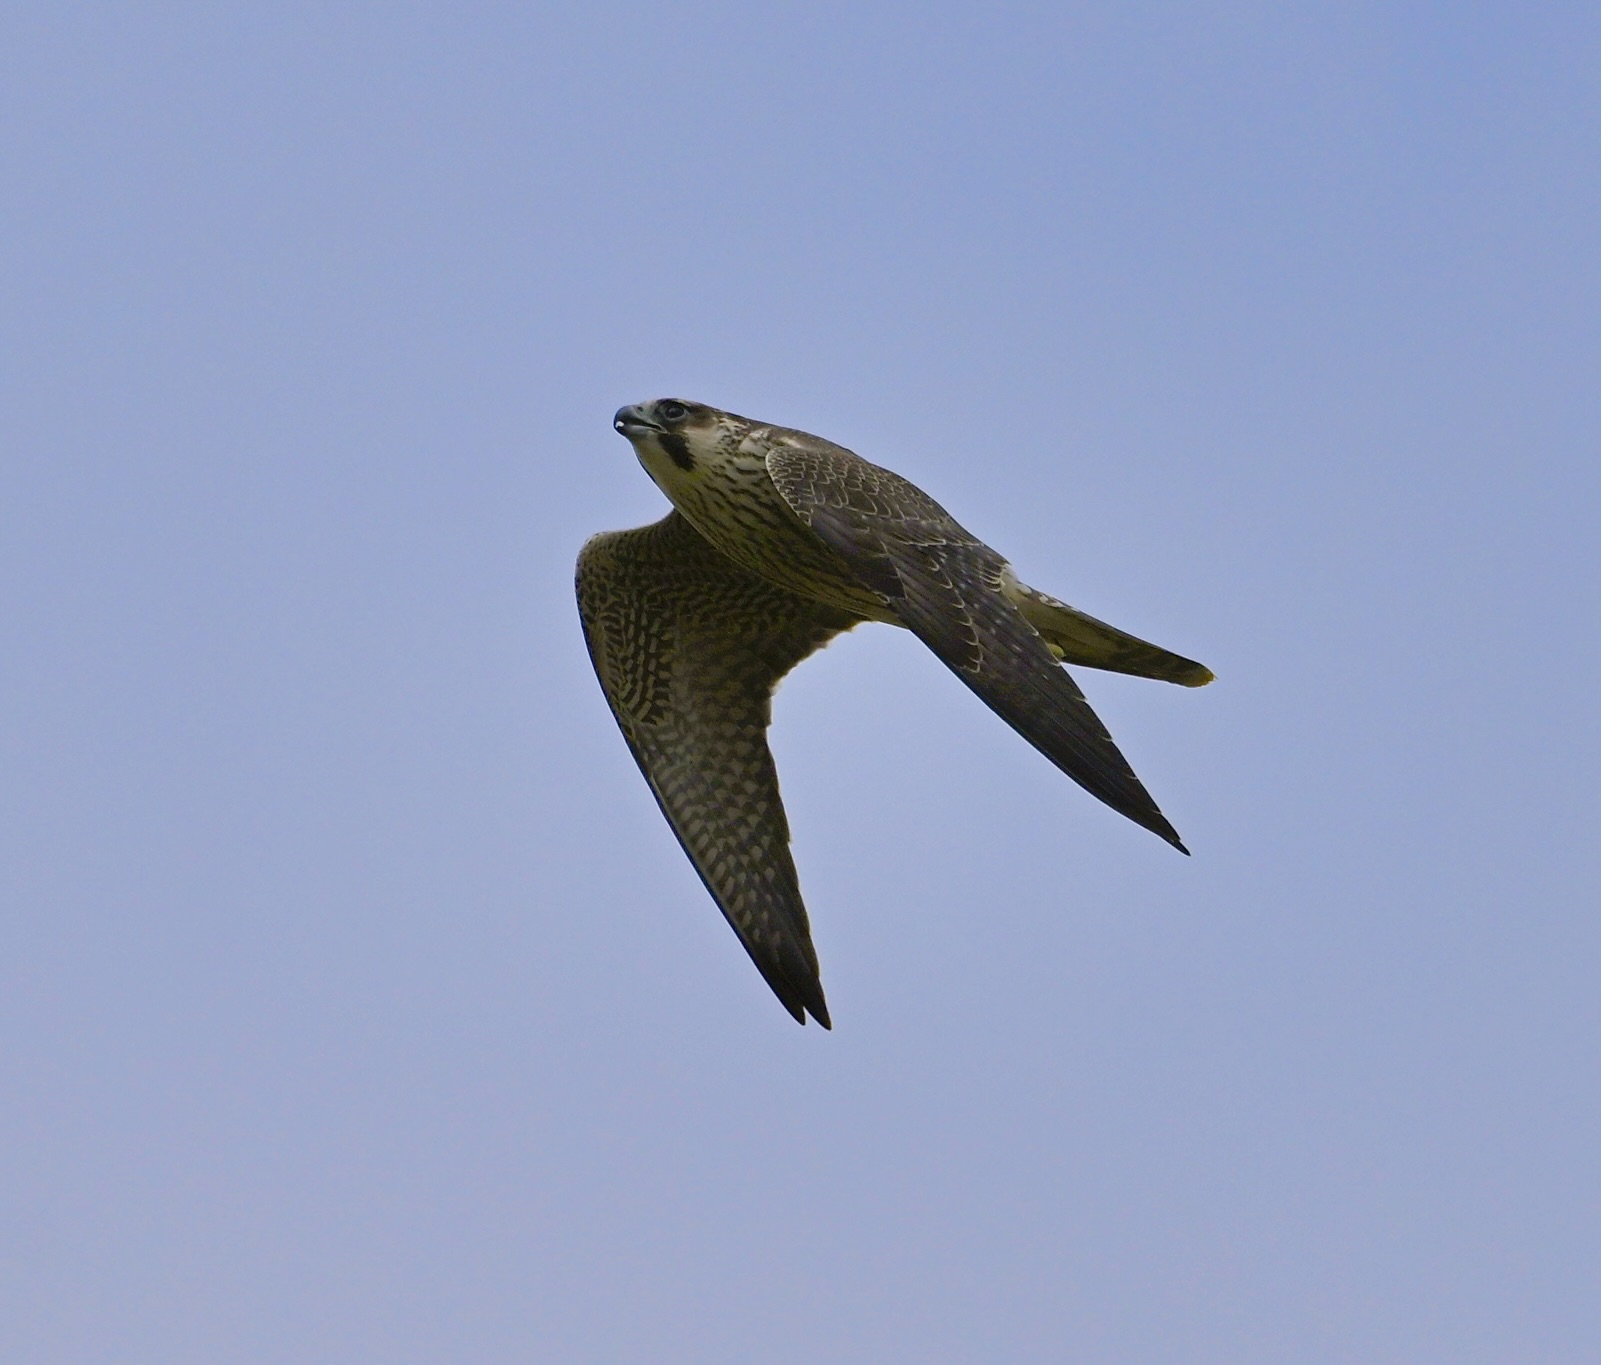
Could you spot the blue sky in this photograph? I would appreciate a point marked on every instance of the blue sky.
(356, 1003)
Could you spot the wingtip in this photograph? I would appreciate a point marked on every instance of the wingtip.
(1198, 675)
(804, 1014)
(1166, 833)
(812, 1006)
(806, 1006)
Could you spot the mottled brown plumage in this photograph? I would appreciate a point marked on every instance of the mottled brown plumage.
(779, 541)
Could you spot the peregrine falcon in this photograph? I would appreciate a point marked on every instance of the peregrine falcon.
(777, 542)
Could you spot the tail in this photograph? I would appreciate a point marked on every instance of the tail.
(1077, 638)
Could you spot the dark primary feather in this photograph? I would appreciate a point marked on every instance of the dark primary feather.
(945, 586)
(688, 648)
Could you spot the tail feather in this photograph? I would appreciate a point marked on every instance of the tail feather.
(1078, 638)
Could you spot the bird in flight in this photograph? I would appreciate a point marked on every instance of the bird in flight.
(777, 542)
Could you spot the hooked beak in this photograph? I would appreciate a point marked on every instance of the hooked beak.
(631, 422)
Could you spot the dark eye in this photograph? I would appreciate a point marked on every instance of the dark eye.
(672, 410)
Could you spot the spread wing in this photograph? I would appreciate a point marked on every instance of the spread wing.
(688, 648)
(946, 587)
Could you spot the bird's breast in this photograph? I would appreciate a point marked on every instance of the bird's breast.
(736, 506)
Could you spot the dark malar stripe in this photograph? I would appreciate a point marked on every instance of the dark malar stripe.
(677, 449)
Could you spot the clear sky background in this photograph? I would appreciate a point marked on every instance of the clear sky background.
(356, 1004)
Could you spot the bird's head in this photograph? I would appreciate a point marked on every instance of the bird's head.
(674, 438)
